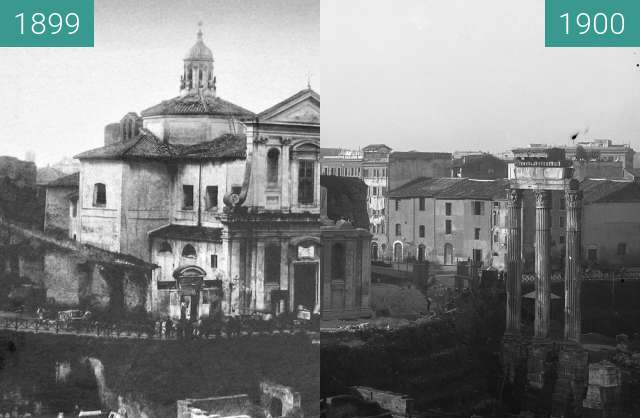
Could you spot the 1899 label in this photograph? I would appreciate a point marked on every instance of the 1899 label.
(46, 23)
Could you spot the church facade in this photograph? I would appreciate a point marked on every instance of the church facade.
(225, 202)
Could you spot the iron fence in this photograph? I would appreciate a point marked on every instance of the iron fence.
(151, 330)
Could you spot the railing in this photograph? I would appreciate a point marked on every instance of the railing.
(179, 330)
(591, 275)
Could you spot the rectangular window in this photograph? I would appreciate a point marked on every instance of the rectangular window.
(477, 256)
(561, 239)
(477, 208)
(365, 172)
(476, 234)
(561, 221)
(592, 254)
(447, 226)
(447, 209)
(422, 203)
(272, 260)
(562, 203)
(305, 182)
(398, 230)
(397, 205)
(622, 248)
(187, 197)
(212, 197)
(422, 231)
(214, 261)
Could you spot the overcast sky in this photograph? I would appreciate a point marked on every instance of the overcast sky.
(466, 75)
(56, 101)
(414, 74)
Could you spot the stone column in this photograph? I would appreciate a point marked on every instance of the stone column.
(514, 260)
(572, 274)
(543, 263)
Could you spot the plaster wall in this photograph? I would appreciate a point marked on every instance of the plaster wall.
(101, 226)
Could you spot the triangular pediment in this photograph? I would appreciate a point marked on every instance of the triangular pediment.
(302, 107)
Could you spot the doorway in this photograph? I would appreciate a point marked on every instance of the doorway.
(305, 285)
(189, 307)
(448, 254)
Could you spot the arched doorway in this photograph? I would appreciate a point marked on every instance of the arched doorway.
(448, 254)
(421, 253)
(374, 250)
(190, 280)
(275, 409)
(397, 252)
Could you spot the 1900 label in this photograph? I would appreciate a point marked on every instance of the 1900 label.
(46, 23)
(605, 23)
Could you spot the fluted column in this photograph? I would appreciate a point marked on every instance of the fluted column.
(543, 263)
(514, 260)
(572, 273)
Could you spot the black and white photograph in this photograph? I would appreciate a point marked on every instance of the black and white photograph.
(178, 241)
(159, 215)
(499, 184)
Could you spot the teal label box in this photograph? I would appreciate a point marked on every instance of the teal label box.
(592, 23)
(46, 23)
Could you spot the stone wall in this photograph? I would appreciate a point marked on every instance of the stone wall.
(22, 173)
(57, 208)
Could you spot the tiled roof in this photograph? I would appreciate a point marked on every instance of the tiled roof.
(196, 105)
(188, 233)
(476, 189)
(87, 251)
(611, 191)
(148, 146)
(452, 188)
(72, 180)
(423, 187)
(48, 174)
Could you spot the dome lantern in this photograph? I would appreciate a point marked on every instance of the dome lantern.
(198, 78)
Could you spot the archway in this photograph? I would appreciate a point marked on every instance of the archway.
(448, 254)
(397, 252)
(190, 282)
(421, 253)
(275, 408)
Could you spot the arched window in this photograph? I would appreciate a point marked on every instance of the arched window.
(397, 252)
(338, 262)
(374, 250)
(421, 253)
(273, 157)
(188, 251)
(165, 247)
(99, 195)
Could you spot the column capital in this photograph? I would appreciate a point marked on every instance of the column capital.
(573, 198)
(514, 198)
(543, 199)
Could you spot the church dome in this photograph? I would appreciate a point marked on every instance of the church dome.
(199, 52)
